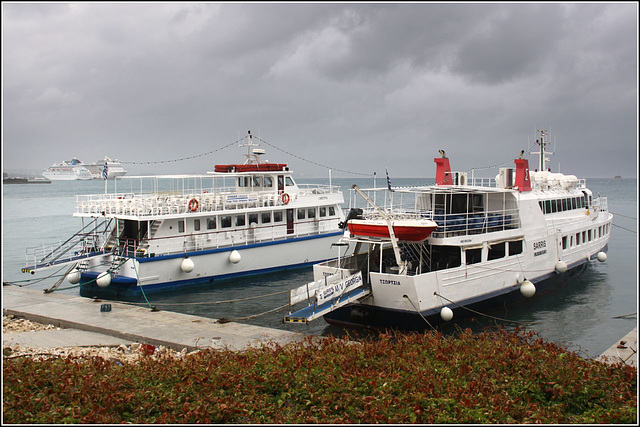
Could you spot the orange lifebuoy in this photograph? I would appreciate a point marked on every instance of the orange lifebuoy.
(193, 205)
(285, 198)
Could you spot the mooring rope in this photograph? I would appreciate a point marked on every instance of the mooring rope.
(416, 308)
(619, 226)
(232, 319)
(483, 314)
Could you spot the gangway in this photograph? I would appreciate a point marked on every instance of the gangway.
(326, 295)
(83, 245)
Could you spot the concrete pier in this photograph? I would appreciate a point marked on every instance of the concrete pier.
(129, 323)
(624, 350)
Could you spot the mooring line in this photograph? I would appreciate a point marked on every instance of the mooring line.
(416, 308)
(483, 314)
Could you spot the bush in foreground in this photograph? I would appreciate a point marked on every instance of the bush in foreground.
(491, 377)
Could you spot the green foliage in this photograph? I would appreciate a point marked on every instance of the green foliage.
(491, 377)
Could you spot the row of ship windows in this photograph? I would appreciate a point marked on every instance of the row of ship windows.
(585, 236)
(228, 221)
(266, 181)
(444, 257)
(561, 205)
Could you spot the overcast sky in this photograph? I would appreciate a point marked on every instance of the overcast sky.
(355, 87)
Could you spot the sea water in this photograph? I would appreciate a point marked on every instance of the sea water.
(582, 314)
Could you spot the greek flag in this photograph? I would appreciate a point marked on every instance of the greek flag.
(105, 171)
(388, 180)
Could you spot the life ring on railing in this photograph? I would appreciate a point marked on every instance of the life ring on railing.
(193, 205)
(285, 198)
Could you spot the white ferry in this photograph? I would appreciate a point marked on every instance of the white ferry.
(67, 171)
(179, 230)
(473, 243)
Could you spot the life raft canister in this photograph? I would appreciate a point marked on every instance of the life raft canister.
(193, 205)
(285, 198)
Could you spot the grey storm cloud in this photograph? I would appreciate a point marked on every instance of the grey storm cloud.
(353, 86)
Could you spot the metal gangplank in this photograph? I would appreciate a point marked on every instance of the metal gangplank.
(326, 295)
(82, 246)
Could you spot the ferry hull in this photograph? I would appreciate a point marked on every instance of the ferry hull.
(163, 273)
(375, 317)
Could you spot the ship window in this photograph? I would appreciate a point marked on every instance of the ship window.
(571, 242)
(564, 204)
(589, 235)
(444, 257)
(257, 181)
(496, 251)
(474, 256)
(266, 217)
(240, 220)
(577, 239)
(584, 237)
(459, 203)
(574, 202)
(515, 248)
(244, 181)
(277, 216)
(323, 211)
(311, 213)
(547, 206)
(564, 243)
(541, 206)
(599, 232)
(180, 226)
(300, 213)
(554, 206)
(196, 225)
(477, 203)
(280, 182)
(253, 218)
(225, 221)
(268, 181)
(211, 223)
(332, 211)
(290, 182)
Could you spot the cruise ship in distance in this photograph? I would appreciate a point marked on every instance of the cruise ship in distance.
(75, 169)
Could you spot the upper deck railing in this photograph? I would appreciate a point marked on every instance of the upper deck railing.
(176, 202)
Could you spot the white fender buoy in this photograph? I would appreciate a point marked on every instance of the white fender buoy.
(74, 277)
(235, 256)
(187, 265)
(527, 289)
(446, 313)
(104, 279)
(561, 266)
(602, 257)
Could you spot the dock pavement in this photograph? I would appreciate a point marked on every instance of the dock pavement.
(85, 324)
(624, 350)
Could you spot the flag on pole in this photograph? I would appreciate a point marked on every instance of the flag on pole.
(388, 180)
(105, 171)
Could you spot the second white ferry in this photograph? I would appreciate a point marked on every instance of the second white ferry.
(457, 246)
(179, 230)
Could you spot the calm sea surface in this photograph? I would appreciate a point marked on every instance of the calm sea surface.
(580, 314)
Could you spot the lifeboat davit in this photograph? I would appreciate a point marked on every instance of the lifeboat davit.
(411, 230)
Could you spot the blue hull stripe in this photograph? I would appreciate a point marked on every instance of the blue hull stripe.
(231, 248)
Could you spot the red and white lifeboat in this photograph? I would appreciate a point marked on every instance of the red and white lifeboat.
(411, 230)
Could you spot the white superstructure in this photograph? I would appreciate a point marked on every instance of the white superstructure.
(496, 239)
(182, 229)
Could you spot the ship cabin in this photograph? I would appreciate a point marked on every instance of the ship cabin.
(479, 220)
(233, 205)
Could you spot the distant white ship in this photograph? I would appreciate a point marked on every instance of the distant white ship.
(75, 169)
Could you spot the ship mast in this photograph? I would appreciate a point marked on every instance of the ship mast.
(542, 142)
(250, 144)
